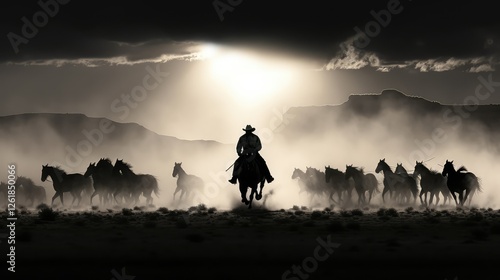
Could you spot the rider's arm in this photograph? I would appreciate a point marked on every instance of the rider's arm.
(239, 146)
(258, 144)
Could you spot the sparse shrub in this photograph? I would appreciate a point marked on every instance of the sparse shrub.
(95, 208)
(211, 210)
(391, 212)
(327, 209)
(47, 214)
(295, 207)
(345, 213)
(381, 212)
(127, 212)
(42, 206)
(316, 215)
(299, 212)
(137, 208)
(163, 210)
(304, 208)
(357, 212)
(409, 210)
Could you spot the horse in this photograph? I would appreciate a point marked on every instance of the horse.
(459, 181)
(250, 177)
(74, 183)
(186, 183)
(431, 182)
(411, 187)
(28, 191)
(317, 180)
(362, 183)
(140, 183)
(102, 177)
(307, 184)
(392, 181)
(338, 183)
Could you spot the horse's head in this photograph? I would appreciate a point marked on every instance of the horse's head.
(45, 172)
(349, 171)
(419, 168)
(295, 173)
(177, 167)
(381, 165)
(448, 168)
(90, 170)
(400, 169)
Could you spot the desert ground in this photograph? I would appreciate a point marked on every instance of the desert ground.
(296, 243)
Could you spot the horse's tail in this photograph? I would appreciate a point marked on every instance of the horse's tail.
(156, 189)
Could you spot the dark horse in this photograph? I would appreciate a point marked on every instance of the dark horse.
(74, 183)
(338, 183)
(431, 182)
(250, 177)
(140, 183)
(28, 191)
(392, 181)
(186, 183)
(459, 181)
(410, 183)
(102, 175)
(362, 183)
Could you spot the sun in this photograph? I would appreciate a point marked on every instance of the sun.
(249, 77)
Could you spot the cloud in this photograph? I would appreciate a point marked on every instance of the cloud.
(351, 57)
(127, 54)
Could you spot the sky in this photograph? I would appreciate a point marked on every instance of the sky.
(206, 69)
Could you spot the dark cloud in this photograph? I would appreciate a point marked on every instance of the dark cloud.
(84, 29)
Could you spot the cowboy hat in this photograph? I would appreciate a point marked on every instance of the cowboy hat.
(248, 128)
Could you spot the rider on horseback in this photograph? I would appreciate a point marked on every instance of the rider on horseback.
(249, 144)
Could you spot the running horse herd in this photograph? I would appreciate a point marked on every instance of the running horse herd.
(398, 186)
(118, 185)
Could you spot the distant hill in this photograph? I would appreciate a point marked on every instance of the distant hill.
(75, 140)
(392, 122)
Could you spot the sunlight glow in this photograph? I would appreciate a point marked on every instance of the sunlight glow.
(249, 77)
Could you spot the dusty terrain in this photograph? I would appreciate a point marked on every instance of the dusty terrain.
(371, 243)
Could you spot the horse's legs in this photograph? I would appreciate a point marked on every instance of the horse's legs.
(467, 191)
(62, 198)
(384, 191)
(251, 196)
(92, 196)
(243, 192)
(461, 198)
(54, 197)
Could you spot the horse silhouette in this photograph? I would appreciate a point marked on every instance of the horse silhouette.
(29, 192)
(250, 178)
(392, 181)
(139, 183)
(410, 186)
(124, 192)
(432, 183)
(339, 184)
(317, 177)
(102, 177)
(308, 183)
(62, 182)
(460, 181)
(362, 183)
(187, 184)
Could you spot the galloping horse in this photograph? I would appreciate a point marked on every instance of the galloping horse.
(431, 182)
(186, 183)
(139, 183)
(362, 183)
(28, 191)
(73, 183)
(459, 181)
(339, 184)
(410, 184)
(307, 184)
(392, 181)
(250, 177)
(102, 177)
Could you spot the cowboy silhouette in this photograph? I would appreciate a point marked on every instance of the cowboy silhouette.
(249, 144)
